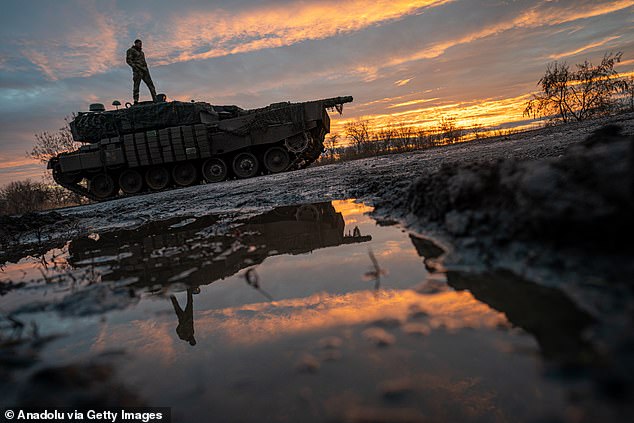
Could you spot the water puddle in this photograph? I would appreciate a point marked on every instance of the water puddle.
(311, 312)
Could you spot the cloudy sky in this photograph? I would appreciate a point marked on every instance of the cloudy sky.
(403, 61)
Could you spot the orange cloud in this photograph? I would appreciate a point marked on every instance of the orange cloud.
(270, 27)
(537, 16)
(79, 53)
(402, 82)
(585, 48)
(9, 162)
(412, 102)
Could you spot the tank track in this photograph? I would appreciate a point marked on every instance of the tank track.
(78, 189)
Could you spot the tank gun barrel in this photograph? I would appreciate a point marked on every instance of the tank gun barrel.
(335, 101)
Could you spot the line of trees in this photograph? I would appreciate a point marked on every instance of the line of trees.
(363, 141)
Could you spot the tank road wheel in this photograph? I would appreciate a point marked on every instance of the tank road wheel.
(245, 165)
(157, 178)
(276, 159)
(299, 143)
(130, 181)
(214, 170)
(101, 186)
(184, 174)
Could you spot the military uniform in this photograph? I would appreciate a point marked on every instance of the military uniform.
(140, 72)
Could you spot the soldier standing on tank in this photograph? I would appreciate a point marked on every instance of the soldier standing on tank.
(140, 72)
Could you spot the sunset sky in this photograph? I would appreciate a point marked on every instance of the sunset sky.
(403, 61)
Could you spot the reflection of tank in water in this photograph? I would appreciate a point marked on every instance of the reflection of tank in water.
(152, 146)
(178, 250)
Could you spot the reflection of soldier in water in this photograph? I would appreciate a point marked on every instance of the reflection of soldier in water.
(185, 328)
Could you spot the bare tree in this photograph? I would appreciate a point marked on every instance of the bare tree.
(50, 144)
(404, 134)
(359, 133)
(26, 196)
(629, 94)
(575, 95)
(449, 129)
(386, 137)
(476, 129)
(331, 142)
(23, 197)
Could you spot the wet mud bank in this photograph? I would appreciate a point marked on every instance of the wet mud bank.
(569, 215)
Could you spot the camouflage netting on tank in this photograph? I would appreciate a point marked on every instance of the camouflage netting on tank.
(278, 114)
(92, 127)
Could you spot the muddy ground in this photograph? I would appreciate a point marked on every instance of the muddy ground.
(551, 204)
(550, 208)
(389, 183)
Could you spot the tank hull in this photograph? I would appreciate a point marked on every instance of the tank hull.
(161, 146)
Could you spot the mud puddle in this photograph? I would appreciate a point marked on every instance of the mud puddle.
(302, 313)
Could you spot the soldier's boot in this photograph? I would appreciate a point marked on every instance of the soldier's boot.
(153, 92)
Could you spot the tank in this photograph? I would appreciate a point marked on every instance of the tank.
(154, 146)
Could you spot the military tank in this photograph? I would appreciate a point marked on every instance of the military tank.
(153, 146)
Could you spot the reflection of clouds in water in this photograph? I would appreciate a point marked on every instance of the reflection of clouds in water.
(320, 311)
(264, 322)
(395, 248)
(349, 208)
(53, 263)
(150, 337)
(147, 338)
